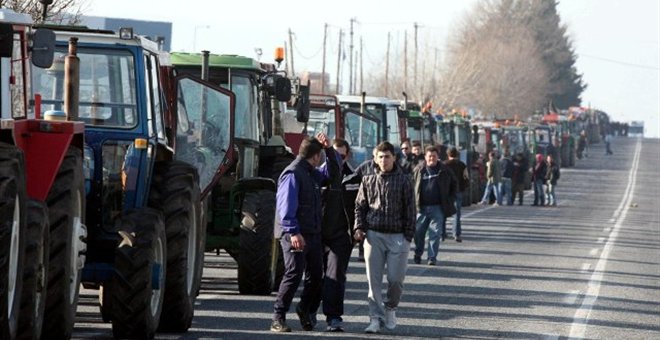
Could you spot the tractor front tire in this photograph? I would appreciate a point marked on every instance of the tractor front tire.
(33, 300)
(66, 214)
(133, 297)
(176, 193)
(255, 269)
(12, 237)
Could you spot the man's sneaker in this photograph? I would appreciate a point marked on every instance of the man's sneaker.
(279, 326)
(458, 239)
(335, 325)
(431, 262)
(305, 320)
(374, 326)
(390, 315)
(417, 259)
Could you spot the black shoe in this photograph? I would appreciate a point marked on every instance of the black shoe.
(279, 326)
(305, 319)
(417, 259)
(431, 263)
(459, 239)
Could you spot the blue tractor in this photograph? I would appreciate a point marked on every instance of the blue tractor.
(144, 211)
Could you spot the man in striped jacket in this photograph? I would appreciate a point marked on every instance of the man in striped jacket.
(385, 218)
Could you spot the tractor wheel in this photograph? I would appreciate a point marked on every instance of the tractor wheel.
(12, 237)
(66, 214)
(175, 192)
(33, 300)
(133, 296)
(256, 243)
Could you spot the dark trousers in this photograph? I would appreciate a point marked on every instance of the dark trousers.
(308, 262)
(335, 264)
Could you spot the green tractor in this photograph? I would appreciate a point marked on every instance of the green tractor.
(241, 204)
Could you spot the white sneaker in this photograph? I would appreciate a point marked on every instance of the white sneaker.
(374, 326)
(390, 318)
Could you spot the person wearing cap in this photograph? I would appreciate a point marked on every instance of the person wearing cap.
(538, 179)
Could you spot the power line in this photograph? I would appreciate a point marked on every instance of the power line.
(621, 62)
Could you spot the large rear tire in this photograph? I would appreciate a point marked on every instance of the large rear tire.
(133, 297)
(175, 191)
(66, 214)
(33, 300)
(255, 270)
(12, 237)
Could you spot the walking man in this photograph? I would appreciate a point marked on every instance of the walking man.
(435, 190)
(298, 226)
(552, 175)
(387, 233)
(336, 235)
(494, 177)
(506, 167)
(518, 179)
(538, 179)
(462, 175)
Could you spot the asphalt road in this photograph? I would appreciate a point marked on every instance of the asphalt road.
(589, 268)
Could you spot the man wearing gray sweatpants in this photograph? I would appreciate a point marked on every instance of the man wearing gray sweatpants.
(387, 233)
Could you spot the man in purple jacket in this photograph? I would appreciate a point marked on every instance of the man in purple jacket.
(298, 226)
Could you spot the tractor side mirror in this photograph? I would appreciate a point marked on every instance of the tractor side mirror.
(43, 48)
(278, 86)
(283, 89)
(302, 104)
(475, 134)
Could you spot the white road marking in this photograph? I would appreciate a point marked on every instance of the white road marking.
(570, 298)
(607, 229)
(586, 267)
(581, 318)
(594, 251)
(601, 240)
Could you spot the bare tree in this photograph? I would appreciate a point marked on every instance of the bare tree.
(59, 12)
(494, 64)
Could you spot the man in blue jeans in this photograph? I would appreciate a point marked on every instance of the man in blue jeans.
(435, 190)
(463, 177)
(506, 168)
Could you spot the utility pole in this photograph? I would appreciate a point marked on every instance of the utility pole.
(387, 65)
(350, 66)
(341, 34)
(325, 38)
(286, 65)
(415, 65)
(361, 67)
(405, 61)
(293, 72)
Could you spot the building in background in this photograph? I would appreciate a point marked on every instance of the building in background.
(159, 31)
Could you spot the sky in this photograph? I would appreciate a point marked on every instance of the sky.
(617, 41)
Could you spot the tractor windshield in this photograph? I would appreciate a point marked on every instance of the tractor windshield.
(362, 135)
(203, 134)
(107, 86)
(247, 107)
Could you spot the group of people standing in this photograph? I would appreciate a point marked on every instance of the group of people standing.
(506, 179)
(320, 215)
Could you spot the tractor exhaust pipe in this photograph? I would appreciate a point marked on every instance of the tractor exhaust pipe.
(362, 101)
(405, 100)
(72, 81)
(205, 65)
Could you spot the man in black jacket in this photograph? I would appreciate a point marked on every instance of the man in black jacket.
(435, 190)
(338, 215)
(463, 177)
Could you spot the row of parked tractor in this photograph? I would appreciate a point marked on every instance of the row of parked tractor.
(365, 121)
(121, 165)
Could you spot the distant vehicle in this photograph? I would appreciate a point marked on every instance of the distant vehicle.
(636, 128)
